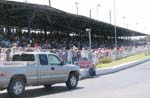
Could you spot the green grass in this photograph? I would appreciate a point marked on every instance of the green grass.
(123, 60)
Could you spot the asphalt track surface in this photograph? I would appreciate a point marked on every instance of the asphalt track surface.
(129, 83)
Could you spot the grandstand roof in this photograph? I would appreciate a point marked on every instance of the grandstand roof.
(24, 15)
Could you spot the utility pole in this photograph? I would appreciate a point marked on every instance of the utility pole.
(76, 3)
(98, 5)
(25, 1)
(49, 3)
(110, 16)
(115, 28)
(90, 13)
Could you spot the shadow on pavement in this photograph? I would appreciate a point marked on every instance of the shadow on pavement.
(31, 93)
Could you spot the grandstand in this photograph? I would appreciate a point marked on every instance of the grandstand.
(26, 23)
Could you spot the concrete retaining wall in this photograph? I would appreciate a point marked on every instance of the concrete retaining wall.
(103, 71)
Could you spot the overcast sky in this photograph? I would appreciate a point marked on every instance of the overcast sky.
(132, 14)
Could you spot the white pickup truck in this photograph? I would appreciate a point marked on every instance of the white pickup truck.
(36, 68)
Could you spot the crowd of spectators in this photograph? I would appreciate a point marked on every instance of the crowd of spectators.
(69, 47)
(57, 40)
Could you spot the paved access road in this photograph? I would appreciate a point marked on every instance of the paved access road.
(129, 83)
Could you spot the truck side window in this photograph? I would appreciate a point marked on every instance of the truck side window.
(43, 59)
(23, 57)
(54, 60)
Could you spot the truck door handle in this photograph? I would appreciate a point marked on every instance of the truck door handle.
(52, 68)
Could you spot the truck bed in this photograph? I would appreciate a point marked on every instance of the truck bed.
(16, 63)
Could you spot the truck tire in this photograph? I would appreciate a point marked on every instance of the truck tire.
(16, 88)
(72, 81)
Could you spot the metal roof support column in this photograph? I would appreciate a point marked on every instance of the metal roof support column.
(19, 34)
(89, 35)
(8, 31)
(29, 31)
(45, 36)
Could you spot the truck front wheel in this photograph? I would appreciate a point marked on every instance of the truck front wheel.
(72, 81)
(16, 88)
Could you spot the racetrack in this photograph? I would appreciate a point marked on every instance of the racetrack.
(130, 83)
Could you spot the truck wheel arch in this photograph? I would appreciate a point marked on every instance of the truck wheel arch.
(19, 76)
(74, 72)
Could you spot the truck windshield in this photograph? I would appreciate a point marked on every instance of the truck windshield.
(23, 57)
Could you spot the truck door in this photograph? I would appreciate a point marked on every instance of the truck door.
(49, 73)
(44, 69)
(59, 71)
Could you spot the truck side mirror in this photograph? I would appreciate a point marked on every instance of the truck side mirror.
(63, 63)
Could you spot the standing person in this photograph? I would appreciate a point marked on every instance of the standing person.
(95, 58)
(36, 44)
(3, 54)
(89, 54)
(83, 52)
(64, 54)
(0, 52)
(29, 48)
(14, 49)
(70, 55)
(74, 58)
(58, 53)
(78, 55)
(7, 51)
(37, 47)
